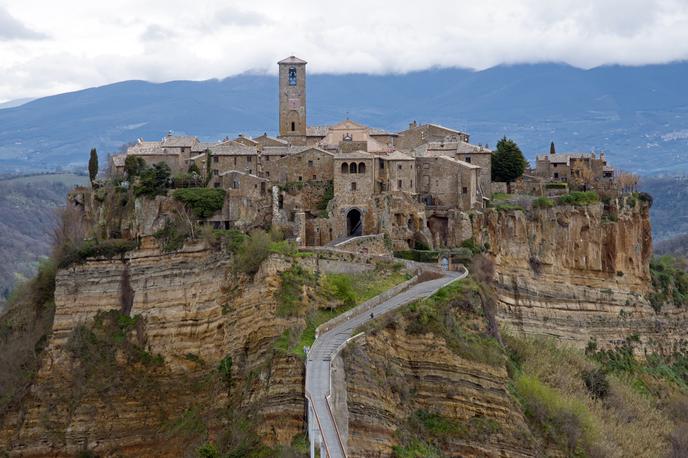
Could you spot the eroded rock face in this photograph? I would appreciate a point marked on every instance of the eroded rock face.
(576, 272)
(390, 374)
(193, 313)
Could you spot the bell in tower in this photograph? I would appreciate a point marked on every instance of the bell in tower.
(292, 100)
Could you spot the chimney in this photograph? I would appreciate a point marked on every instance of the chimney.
(413, 124)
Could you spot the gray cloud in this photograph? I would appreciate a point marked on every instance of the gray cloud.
(156, 32)
(12, 29)
(237, 17)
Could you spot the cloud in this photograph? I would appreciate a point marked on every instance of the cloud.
(103, 42)
(12, 29)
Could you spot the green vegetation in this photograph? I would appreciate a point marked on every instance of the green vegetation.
(500, 196)
(153, 181)
(134, 165)
(543, 202)
(438, 314)
(579, 198)
(416, 448)
(230, 239)
(202, 201)
(508, 162)
(507, 207)
(556, 185)
(172, 236)
(300, 291)
(92, 248)
(418, 255)
(93, 165)
(252, 252)
(669, 282)
(328, 195)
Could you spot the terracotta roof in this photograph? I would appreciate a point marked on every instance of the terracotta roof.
(200, 147)
(292, 60)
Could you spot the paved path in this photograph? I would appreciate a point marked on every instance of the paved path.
(326, 346)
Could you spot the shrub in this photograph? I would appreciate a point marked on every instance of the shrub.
(153, 181)
(231, 239)
(596, 382)
(418, 255)
(471, 245)
(341, 288)
(579, 198)
(543, 202)
(564, 420)
(289, 295)
(171, 237)
(225, 371)
(202, 201)
(556, 185)
(253, 251)
(669, 281)
(90, 249)
(208, 450)
(328, 195)
(134, 165)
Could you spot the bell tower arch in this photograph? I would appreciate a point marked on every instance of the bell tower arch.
(292, 100)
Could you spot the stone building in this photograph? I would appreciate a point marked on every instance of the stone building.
(574, 168)
(447, 182)
(417, 135)
(231, 155)
(396, 172)
(248, 201)
(466, 152)
(310, 164)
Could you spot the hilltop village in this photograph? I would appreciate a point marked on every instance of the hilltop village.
(324, 184)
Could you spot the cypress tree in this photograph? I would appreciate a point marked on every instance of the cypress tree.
(93, 165)
(551, 148)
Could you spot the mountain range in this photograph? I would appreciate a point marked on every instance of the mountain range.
(637, 115)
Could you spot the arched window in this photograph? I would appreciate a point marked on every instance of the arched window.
(345, 167)
(361, 167)
(292, 76)
(293, 126)
(352, 167)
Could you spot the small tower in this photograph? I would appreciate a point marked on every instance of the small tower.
(292, 100)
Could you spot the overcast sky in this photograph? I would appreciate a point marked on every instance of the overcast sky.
(49, 46)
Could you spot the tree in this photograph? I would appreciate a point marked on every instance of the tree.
(93, 165)
(508, 162)
(551, 149)
(134, 165)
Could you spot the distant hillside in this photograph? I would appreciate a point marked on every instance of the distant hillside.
(669, 212)
(27, 207)
(639, 115)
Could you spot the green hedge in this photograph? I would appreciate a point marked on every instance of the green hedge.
(418, 255)
(580, 198)
(202, 201)
(91, 249)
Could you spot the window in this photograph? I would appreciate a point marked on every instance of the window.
(361, 167)
(411, 183)
(382, 164)
(554, 165)
(310, 163)
(352, 168)
(216, 184)
(293, 126)
(250, 171)
(468, 159)
(399, 166)
(300, 178)
(262, 187)
(267, 158)
(556, 175)
(345, 167)
(216, 172)
(353, 186)
(315, 177)
(248, 158)
(399, 184)
(267, 174)
(234, 160)
(216, 159)
(292, 77)
(235, 184)
(464, 190)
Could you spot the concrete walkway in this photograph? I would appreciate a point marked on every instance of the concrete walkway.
(328, 344)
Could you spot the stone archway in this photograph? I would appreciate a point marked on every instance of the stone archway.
(354, 223)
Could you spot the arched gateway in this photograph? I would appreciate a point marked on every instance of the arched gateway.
(354, 225)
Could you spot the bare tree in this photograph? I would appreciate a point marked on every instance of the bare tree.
(69, 231)
(627, 182)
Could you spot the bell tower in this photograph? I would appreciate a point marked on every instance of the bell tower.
(292, 100)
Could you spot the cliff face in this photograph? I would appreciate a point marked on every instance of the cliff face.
(406, 382)
(158, 398)
(576, 272)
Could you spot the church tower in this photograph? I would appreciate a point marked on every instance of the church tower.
(292, 100)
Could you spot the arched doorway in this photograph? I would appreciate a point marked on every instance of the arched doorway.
(354, 225)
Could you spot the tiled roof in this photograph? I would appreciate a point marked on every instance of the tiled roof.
(173, 141)
(292, 60)
(397, 156)
(317, 131)
(374, 131)
(238, 172)
(283, 150)
(232, 148)
(200, 147)
(354, 155)
(118, 159)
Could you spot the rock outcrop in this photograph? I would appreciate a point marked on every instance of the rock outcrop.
(191, 313)
(577, 272)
